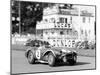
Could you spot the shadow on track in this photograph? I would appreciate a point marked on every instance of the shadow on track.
(65, 64)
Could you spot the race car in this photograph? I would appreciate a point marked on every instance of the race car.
(46, 53)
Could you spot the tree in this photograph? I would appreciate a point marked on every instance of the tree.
(30, 13)
(14, 14)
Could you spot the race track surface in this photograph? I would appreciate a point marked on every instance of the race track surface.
(19, 64)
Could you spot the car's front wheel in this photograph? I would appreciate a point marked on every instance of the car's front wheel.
(72, 61)
(30, 57)
(51, 59)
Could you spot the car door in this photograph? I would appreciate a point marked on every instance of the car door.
(40, 51)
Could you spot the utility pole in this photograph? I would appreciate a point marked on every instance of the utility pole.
(36, 34)
(19, 17)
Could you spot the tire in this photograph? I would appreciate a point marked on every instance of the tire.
(72, 61)
(51, 59)
(30, 57)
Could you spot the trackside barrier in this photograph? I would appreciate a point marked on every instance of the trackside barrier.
(21, 39)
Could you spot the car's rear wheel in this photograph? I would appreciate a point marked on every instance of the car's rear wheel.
(30, 57)
(51, 59)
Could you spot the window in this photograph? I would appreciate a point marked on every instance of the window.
(61, 32)
(52, 32)
(69, 32)
(89, 31)
(84, 19)
(82, 32)
(69, 26)
(52, 20)
(53, 40)
(73, 43)
(58, 24)
(61, 20)
(65, 25)
(54, 45)
(65, 20)
(46, 32)
(89, 19)
(71, 19)
(45, 20)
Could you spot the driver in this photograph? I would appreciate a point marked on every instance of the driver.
(41, 46)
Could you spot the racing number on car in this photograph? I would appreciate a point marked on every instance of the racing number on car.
(38, 55)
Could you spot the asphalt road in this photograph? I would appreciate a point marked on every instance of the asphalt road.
(19, 64)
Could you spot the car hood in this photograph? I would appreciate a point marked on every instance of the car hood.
(66, 50)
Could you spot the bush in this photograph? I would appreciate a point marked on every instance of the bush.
(85, 45)
(92, 45)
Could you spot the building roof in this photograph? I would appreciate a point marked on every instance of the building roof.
(75, 11)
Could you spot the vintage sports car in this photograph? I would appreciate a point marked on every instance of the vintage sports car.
(43, 52)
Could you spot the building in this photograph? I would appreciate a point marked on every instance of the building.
(85, 23)
(64, 27)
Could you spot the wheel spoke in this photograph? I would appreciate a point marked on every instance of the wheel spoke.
(50, 59)
(31, 57)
